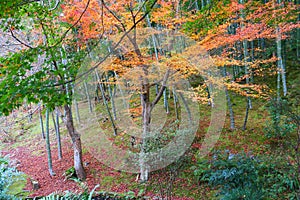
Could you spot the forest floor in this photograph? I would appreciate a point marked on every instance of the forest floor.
(27, 150)
(30, 157)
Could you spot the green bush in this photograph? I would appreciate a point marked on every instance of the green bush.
(241, 176)
(280, 124)
(8, 175)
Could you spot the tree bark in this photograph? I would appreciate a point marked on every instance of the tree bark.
(48, 147)
(88, 97)
(76, 142)
(55, 119)
(280, 64)
(231, 114)
(41, 124)
(112, 99)
(76, 107)
(105, 103)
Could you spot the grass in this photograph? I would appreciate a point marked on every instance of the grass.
(16, 188)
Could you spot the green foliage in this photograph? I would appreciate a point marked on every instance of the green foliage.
(241, 176)
(8, 175)
(70, 174)
(281, 123)
(206, 22)
(40, 71)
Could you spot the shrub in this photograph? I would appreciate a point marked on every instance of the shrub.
(280, 124)
(241, 176)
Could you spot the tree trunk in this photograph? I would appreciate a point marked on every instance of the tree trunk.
(41, 124)
(112, 100)
(76, 142)
(280, 64)
(147, 107)
(202, 4)
(166, 104)
(247, 114)
(231, 114)
(48, 147)
(76, 107)
(146, 117)
(246, 59)
(106, 104)
(196, 5)
(88, 97)
(175, 104)
(146, 114)
(57, 131)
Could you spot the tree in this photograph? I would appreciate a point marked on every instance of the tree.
(37, 72)
(45, 67)
(243, 28)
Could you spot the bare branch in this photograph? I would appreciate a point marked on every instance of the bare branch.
(140, 8)
(163, 87)
(16, 38)
(114, 15)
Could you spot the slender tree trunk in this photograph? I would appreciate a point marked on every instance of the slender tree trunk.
(55, 119)
(278, 99)
(146, 114)
(112, 100)
(196, 5)
(280, 64)
(298, 42)
(248, 106)
(175, 104)
(76, 142)
(231, 114)
(48, 147)
(41, 124)
(166, 104)
(76, 107)
(88, 97)
(246, 59)
(106, 104)
(247, 113)
(121, 92)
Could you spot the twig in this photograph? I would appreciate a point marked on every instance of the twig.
(23, 43)
(71, 27)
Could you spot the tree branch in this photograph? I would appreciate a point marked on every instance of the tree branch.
(23, 43)
(55, 6)
(71, 27)
(163, 87)
(114, 15)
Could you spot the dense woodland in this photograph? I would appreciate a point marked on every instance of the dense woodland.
(149, 99)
